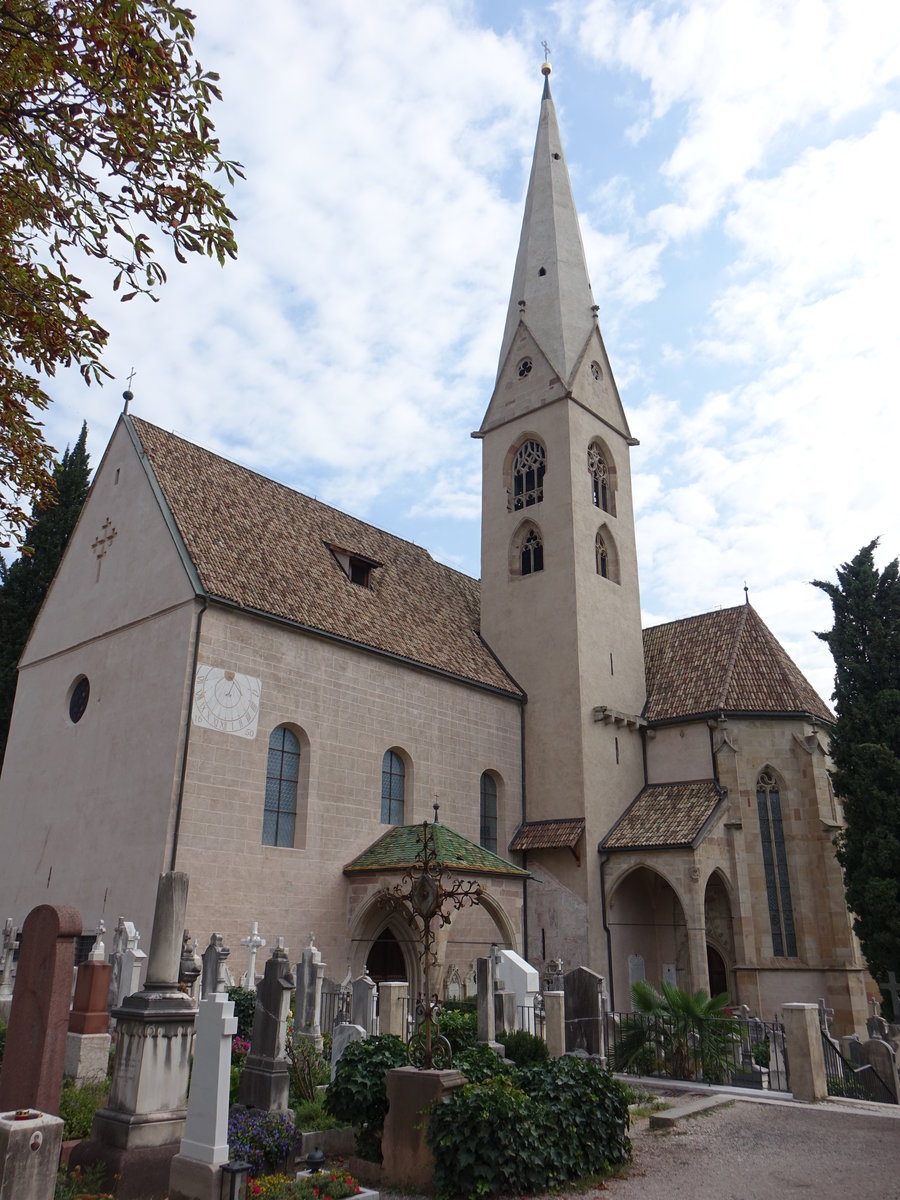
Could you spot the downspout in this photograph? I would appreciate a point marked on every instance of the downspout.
(524, 810)
(187, 735)
(607, 931)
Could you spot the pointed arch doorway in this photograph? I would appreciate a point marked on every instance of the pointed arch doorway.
(717, 971)
(385, 962)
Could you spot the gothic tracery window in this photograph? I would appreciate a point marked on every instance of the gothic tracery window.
(602, 557)
(532, 553)
(528, 469)
(778, 885)
(601, 482)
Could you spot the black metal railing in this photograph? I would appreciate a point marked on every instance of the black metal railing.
(859, 1081)
(531, 1018)
(714, 1050)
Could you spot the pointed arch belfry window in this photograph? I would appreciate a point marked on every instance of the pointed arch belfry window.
(602, 557)
(778, 884)
(606, 556)
(602, 479)
(528, 468)
(532, 553)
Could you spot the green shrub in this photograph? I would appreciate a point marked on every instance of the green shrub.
(487, 1138)
(357, 1095)
(311, 1115)
(460, 1028)
(70, 1185)
(523, 1048)
(530, 1130)
(77, 1106)
(306, 1067)
(480, 1062)
(585, 1117)
(469, 1004)
(244, 1009)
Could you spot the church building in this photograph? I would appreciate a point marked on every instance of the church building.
(234, 680)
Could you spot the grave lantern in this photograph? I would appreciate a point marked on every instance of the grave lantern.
(235, 1178)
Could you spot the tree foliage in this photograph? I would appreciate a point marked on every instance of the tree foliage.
(105, 134)
(25, 583)
(865, 748)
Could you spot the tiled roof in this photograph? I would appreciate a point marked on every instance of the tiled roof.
(664, 814)
(396, 851)
(725, 661)
(263, 546)
(562, 833)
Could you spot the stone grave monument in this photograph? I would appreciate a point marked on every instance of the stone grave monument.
(309, 972)
(127, 962)
(32, 1073)
(265, 1082)
(7, 955)
(584, 1011)
(139, 1131)
(196, 1169)
(87, 1043)
(215, 977)
(254, 944)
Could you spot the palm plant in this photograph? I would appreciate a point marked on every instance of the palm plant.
(672, 1032)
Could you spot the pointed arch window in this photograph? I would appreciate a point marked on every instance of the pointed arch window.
(282, 778)
(528, 470)
(606, 556)
(532, 553)
(602, 557)
(489, 812)
(778, 884)
(393, 788)
(602, 489)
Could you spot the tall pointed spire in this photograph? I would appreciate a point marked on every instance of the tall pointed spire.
(551, 274)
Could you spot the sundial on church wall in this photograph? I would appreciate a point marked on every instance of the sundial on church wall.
(226, 700)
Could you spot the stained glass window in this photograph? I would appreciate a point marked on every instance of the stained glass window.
(489, 812)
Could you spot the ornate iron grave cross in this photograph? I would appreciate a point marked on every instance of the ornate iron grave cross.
(427, 902)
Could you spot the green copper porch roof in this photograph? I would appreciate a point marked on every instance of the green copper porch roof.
(396, 851)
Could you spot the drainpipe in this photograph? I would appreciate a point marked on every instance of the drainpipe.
(606, 930)
(524, 810)
(187, 736)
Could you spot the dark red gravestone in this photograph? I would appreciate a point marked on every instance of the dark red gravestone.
(89, 1013)
(39, 1019)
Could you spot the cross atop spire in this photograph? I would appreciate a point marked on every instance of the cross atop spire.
(551, 291)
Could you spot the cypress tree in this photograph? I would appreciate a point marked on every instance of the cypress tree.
(865, 749)
(25, 583)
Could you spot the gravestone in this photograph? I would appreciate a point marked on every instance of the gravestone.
(393, 1003)
(362, 1004)
(343, 1036)
(7, 955)
(487, 1026)
(521, 979)
(139, 1131)
(254, 944)
(190, 966)
(310, 971)
(505, 1014)
(87, 1043)
(555, 1023)
(265, 1081)
(195, 1172)
(584, 1010)
(32, 1072)
(883, 1060)
(127, 962)
(215, 972)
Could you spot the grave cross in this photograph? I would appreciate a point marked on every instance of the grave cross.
(254, 943)
(102, 542)
(826, 1016)
(889, 988)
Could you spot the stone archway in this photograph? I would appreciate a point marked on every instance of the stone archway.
(717, 919)
(648, 932)
(385, 962)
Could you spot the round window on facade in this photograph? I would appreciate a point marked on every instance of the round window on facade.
(524, 368)
(78, 698)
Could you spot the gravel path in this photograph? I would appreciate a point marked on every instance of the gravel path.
(750, 1151)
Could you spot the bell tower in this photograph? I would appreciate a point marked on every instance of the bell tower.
(560, 603)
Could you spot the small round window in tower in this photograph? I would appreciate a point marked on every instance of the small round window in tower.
(596, 371)
(78, 698)
(524, 368)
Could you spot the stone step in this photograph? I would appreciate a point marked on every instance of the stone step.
(690, 1108)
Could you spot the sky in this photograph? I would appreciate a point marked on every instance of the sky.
(735, 168)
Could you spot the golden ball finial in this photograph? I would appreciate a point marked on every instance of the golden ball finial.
(546, 69)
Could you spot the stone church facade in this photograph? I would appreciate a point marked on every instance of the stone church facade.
(232, 679)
